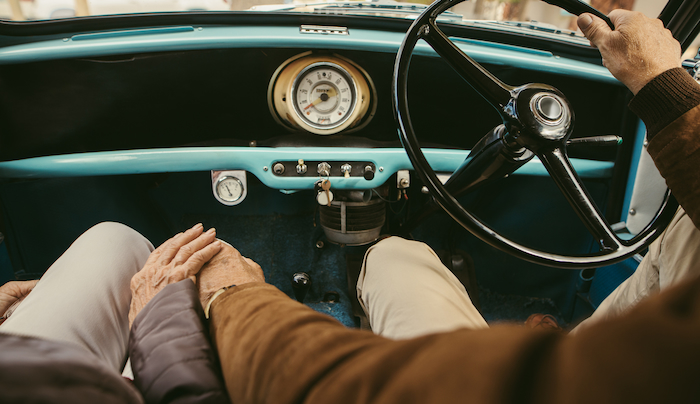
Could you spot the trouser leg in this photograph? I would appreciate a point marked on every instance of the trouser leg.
(406, 292)
(673, 257)
(84, 297)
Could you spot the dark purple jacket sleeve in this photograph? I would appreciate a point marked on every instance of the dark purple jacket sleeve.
(171, 356)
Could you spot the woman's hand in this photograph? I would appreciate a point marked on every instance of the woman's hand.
(227, 268)
(179, 258)
(13, 292)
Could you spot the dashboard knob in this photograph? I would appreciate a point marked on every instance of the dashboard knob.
(324, 169)
(278, 168)
(301, 167)
(369, 172)
(346, 169)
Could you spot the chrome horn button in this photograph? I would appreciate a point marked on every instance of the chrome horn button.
(547, 108)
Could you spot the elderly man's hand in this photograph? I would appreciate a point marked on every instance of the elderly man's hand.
(13, 292)
(638, 50)
(227, 268)
(179, 258)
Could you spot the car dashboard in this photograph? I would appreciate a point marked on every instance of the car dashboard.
(162, 120)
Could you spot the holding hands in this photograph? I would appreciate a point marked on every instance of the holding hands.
(638, 50)
(179, 258)
(194, 254)
(227, 268)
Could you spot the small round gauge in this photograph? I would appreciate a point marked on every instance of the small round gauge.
(321, 94)
(229, 189)
(324, 95)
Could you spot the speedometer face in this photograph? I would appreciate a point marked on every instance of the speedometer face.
(324, 95)
(321, 94)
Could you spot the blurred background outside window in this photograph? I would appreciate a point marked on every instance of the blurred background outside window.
(494, 10)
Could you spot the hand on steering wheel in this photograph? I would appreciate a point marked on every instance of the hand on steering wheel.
(537, 120)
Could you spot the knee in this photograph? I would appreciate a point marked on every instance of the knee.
(398, 253)
(397, 247)
(117, 234)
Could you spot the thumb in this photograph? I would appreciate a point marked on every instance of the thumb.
(25, 287)
(594, 28)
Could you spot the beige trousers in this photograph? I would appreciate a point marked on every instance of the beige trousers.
(406, 291)
(84, 297)
(672, 258)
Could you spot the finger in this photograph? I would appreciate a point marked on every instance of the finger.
(594, 28)
(174, 246)
(195, 263)
(193, 246)
(155, 254)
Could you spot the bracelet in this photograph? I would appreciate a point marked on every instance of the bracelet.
(213, 297)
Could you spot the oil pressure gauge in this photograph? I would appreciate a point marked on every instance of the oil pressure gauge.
(229, 186)
(320, 94)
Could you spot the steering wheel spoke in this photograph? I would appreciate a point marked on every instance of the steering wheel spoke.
(538, 119)
(562, 172)
(486, 84)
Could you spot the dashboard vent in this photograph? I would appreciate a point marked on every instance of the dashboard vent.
(324, 30)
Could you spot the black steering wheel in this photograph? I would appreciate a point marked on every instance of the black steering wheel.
(537, 120)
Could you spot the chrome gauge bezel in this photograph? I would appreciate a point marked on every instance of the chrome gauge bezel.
(303, 74)
(282, 97)
(218, 177)
(221, 181)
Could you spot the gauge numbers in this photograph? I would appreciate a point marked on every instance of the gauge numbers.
(324, 95)
(321, 94)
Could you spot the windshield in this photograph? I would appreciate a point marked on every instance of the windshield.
(479, 10)
(532, 17)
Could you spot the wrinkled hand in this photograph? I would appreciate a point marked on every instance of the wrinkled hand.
(638, 50)
(13, 292)
(227, 268)
(179, 258)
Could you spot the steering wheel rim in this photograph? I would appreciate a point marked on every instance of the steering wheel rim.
(551, 149)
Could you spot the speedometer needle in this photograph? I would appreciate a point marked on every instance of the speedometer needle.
(330, 93)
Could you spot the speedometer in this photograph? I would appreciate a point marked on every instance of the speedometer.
(320, 94)
(324, 95)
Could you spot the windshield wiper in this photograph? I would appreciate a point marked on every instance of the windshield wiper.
(577, 7)
(536, 26)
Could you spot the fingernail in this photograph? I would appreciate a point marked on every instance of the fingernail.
(196, 226)
(584, 21)
(211, 231)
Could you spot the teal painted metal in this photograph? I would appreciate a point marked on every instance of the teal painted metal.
(130, 32)
(639, 138)
(197, 38)
(258, 161)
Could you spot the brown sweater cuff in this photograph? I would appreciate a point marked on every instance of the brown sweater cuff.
(665, 98)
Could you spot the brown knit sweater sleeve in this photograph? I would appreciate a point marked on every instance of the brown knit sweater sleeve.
(669, 107)
(275, 350)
